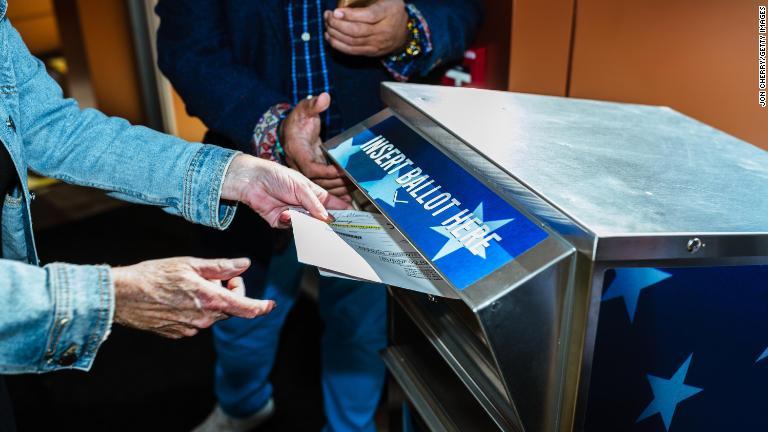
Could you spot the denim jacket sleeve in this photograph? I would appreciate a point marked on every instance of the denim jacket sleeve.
(87, 148)
(53, 317)
(57, 316)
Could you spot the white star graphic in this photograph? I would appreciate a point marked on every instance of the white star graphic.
(763, 356)
(453, 244)
(384, 189)
(343, 152)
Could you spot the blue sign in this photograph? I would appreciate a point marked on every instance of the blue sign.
(681, 349)
(464, 228)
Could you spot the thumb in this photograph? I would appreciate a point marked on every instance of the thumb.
(319, 104)
(311, 198)
(335, 203)
(220, 269)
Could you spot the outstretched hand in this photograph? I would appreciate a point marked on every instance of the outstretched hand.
(176, 297)
(300, 135)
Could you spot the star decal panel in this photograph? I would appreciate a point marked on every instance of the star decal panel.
(460, 266)
(687, 362)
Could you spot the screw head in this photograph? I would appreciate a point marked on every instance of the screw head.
(694, 245)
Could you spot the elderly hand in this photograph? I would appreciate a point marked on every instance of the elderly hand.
(300, 136)
(177, 296)
(271, 189)
(375, 31)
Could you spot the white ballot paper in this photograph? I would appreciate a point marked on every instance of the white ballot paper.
(364, 246)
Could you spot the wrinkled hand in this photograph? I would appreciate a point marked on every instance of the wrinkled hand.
(177, 296)
(271, 189)
(374, 31)
(300, 136)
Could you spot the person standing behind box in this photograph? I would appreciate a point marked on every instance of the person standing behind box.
(274, 78)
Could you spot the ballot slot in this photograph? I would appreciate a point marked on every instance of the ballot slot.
(607, 189)
(502, 262)
(440, 395)
(452, 333)
(464, 229)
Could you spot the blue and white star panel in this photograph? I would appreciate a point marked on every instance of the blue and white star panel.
(457, 222)
(682, 349)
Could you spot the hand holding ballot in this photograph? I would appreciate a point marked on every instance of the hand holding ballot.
(270, 189)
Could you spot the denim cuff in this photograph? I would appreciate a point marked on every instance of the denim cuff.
(84, 306)
(203, 184)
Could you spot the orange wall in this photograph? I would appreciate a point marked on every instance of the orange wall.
(541, 38)
(187, 127)
(698, 57)
(110, 56)
(35, 20)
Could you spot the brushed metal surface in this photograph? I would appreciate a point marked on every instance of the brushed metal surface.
(615, 169)
(614, 185)
(463, 353)
(418, 392)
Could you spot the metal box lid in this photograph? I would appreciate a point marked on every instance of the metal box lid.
(616, 170)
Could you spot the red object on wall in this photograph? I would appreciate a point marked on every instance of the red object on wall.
(472, 71)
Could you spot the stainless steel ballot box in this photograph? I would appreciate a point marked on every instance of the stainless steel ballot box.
(608, 263)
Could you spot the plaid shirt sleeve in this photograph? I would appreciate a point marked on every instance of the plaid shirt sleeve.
(265, 142)
(404, 64)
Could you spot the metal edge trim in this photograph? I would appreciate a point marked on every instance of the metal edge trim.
(416, 391)
(483, 392)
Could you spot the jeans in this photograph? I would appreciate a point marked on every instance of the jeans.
(354, 315)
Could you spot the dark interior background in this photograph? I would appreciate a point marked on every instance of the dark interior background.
(140, 381)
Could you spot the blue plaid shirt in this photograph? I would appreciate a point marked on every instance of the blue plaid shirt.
(309, 72)
(309, 68)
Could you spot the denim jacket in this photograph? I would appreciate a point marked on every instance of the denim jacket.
(57, 316)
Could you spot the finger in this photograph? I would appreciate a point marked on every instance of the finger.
(284, 220)
(175, 331)
(220, 269)
(319, 104)
(333, 202)
(340, 191)
(317, 170)
(329, 184)
(349, 40)
(371, 14)
(311, 197)
(237, 286)
(349, 49)
(168, 334)
(244, 307)
(353, 41)
(311, 107)
(349, 28)
(188, 332)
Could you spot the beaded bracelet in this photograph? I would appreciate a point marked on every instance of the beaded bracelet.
(413, 48)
